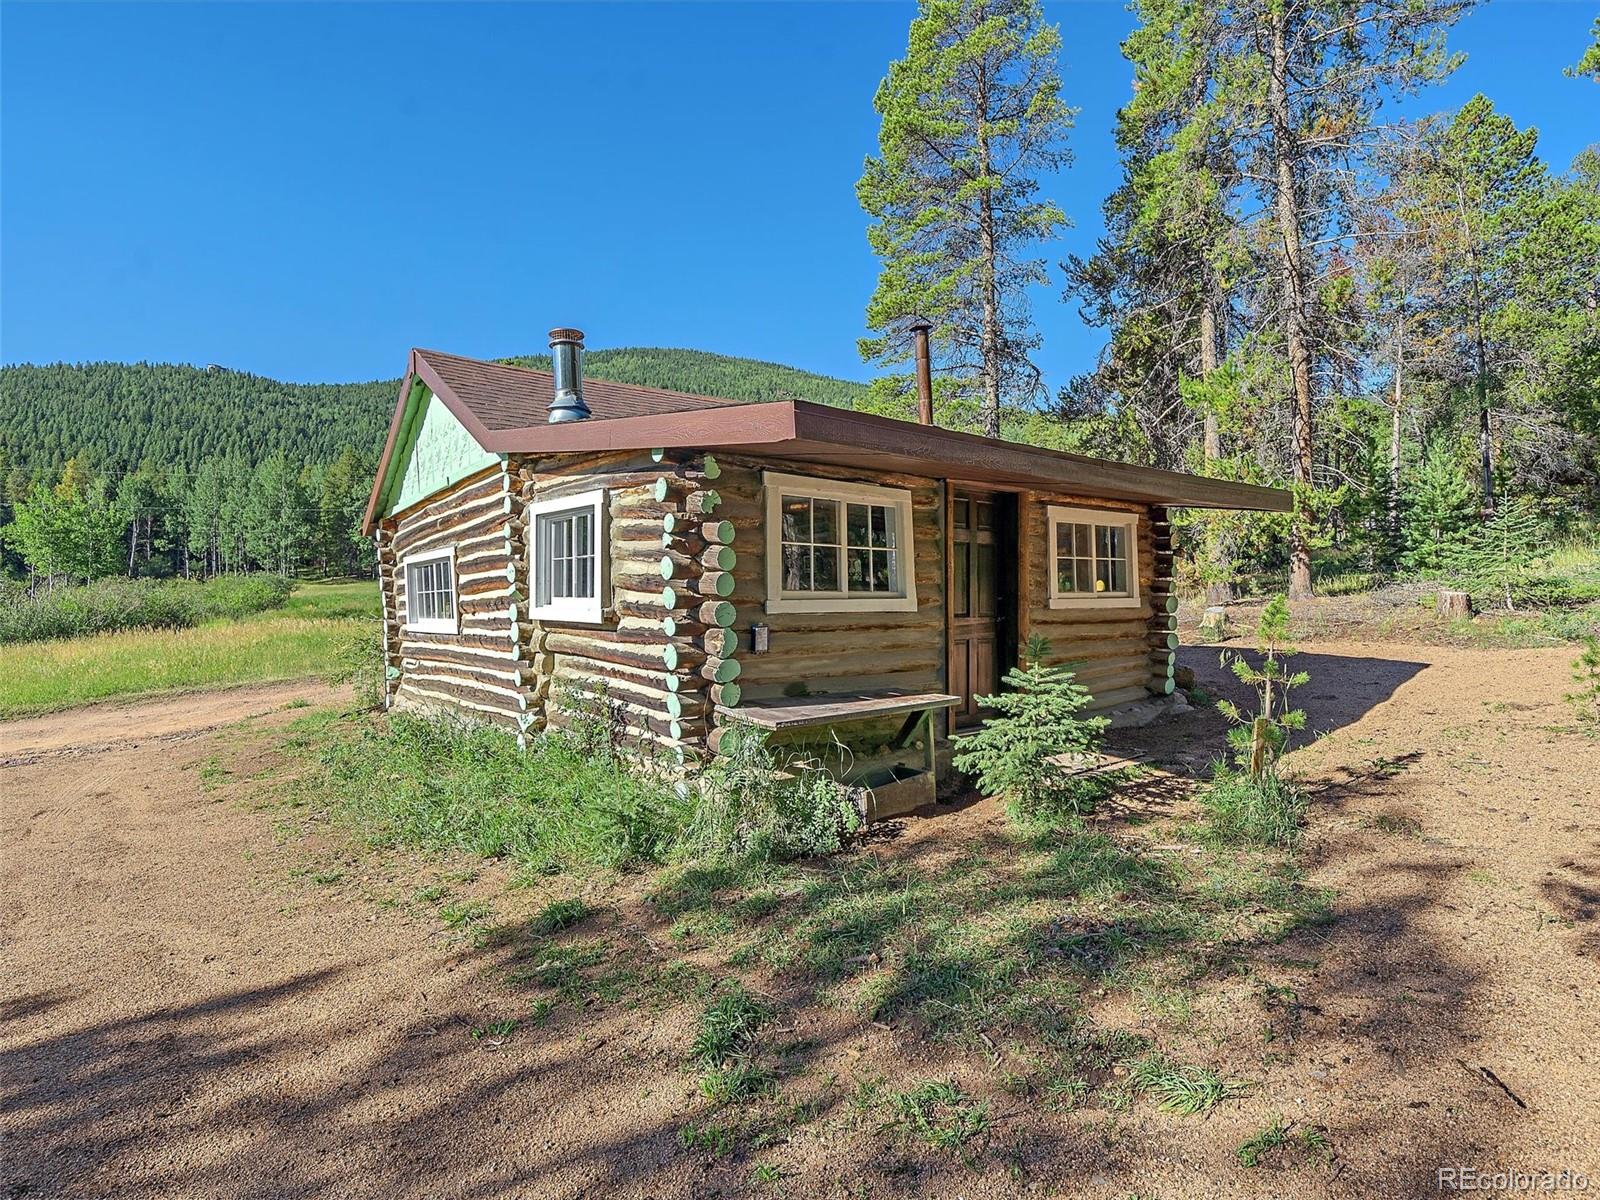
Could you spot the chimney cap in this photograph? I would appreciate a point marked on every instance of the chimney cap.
(566, 334)
(919, 322)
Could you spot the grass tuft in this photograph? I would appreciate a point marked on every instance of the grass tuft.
(1241, 811)
(724, 1047)
(1182, 1088)
(940, 1114)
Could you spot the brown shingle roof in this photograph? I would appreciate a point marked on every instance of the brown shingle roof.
(507, 408)
(506, 397)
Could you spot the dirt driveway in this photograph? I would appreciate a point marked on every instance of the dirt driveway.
(187, 1011)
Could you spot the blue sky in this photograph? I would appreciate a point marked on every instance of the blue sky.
(305, 191)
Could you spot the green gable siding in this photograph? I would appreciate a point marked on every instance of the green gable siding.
(435, 451)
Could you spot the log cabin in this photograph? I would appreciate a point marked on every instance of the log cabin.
(824, 574)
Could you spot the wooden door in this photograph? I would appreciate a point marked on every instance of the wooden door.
(975, 601)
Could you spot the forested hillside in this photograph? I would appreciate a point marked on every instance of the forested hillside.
(118, 415)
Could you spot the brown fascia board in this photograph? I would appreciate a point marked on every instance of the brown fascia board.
(369, 520)
(804, 430)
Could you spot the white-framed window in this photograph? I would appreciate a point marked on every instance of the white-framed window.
(838, 547)
(431, 592)
(568, 558)
(1093, 558)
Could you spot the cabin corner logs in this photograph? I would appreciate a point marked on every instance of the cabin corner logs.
(686, 578)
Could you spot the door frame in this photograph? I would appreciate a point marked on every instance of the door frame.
(1011, 614)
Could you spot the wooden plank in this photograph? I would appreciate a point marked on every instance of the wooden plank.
(800, 711)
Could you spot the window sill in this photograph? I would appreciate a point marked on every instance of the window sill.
(432, 627)
(1096, 602)
(562, 615)
(842, 604)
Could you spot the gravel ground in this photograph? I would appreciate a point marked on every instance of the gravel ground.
(185, 1012)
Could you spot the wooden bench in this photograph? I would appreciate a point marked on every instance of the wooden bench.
(891, 791)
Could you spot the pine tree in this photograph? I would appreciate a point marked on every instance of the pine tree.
(277, 516)
(1259, 739)
(1500, 552)
(972, 119)
(1019, 751)
(1304, 80)
(1440, 512)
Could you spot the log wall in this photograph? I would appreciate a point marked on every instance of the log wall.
(664, 643)
(1109, 648)
(478, 670)
(842, 651)
(687, 578)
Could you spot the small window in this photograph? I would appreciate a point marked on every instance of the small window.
(837, 547)
(568, 560)
(1093, 559)
(431, 592)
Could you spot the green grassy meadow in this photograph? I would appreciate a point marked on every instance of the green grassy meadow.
(300, 639)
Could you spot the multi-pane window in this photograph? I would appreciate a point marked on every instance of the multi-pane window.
(857, 555)
(567, 557)
(1092, 556)
(566, 544)
(431, 593)
(836, 545)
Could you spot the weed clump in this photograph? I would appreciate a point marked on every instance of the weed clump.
(756, 803)
(1241, 811)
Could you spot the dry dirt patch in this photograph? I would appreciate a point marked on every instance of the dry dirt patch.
(197, 1004)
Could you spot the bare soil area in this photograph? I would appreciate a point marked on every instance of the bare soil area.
(201, 996)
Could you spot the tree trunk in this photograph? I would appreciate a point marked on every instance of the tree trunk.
(1485, 437)
(1394, 437)
(1297, 334)
(991, 310)
(1480, 373)
(988, 269)
(1220, 589)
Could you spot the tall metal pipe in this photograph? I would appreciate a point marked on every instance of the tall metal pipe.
(920, 328)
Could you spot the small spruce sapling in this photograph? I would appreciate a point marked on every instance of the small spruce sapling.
(1586, 674)
(1017, 752)
(1258, 740)
(1504, 548)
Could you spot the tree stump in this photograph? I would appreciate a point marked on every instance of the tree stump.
(1452, 605)
(1214, 624)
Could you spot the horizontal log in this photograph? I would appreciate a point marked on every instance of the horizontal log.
(581, 646)
(682, 626)
(1163, 685)
(1169, 640)
(726, 695)
(682, 654)
(1117, 697)
(773, 668)
(574, 679)
(719, 558)
(716, 612)
(719, 641)
(642, 603)
(720, 670)
(711, 584)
